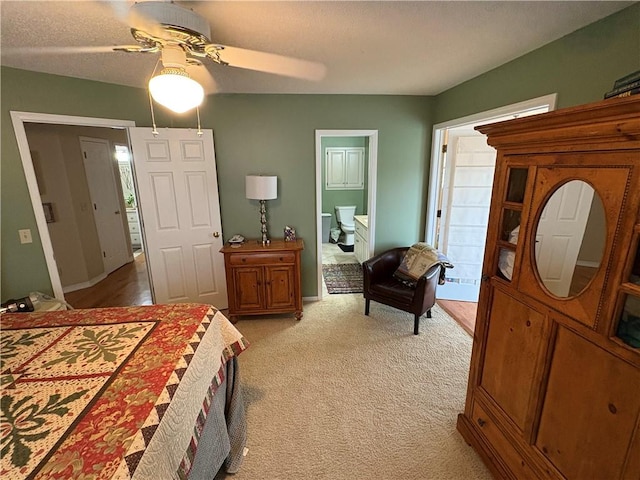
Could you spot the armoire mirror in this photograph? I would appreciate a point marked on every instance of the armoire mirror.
(570, 238)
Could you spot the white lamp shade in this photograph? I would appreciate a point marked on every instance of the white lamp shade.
(174, 89)
(259, 187)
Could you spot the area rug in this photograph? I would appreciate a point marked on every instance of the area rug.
(346, 248)
(343, 277)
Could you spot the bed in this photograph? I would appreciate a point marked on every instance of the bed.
(121, 393)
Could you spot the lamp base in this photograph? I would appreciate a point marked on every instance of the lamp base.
(263, 222)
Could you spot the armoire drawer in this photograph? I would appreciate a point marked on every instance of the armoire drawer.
(515, 463)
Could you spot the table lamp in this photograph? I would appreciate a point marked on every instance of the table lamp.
(262, 187)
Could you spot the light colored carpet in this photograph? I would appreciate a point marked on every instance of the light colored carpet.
(340, 395)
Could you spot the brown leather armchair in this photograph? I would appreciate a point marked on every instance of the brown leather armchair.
(381, 286)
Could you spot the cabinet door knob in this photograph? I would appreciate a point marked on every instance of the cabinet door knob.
(481, 422)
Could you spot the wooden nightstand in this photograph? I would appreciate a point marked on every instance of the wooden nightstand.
(263, 279)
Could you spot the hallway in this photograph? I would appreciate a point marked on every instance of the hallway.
(128, 285)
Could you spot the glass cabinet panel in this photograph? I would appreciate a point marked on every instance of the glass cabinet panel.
(506, 259)
(510, 225)
(629, 322)
(517, 184)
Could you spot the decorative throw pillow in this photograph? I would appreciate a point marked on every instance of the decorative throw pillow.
(417, 261)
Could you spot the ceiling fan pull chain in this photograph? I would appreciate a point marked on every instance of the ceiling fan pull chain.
(153, 117)
(199, 132)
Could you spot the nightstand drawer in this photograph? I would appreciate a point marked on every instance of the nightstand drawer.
(136, 239)
(262, 258)
(134, 228)
(132, 217)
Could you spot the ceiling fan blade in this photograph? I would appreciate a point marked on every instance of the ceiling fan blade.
(201, 74)
(62, 50)
(65, 50)
(272, 63)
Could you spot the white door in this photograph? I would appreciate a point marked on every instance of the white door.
(99, 165)
(466, 198)
(336, 166)
(560, 233)
(180, 213)
(354, 168)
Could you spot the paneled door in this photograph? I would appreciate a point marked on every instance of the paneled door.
(180, 211)
(99, 168)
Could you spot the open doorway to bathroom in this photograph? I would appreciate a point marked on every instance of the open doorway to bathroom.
(346, 163)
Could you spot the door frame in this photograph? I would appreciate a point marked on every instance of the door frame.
(19, 119)
(372, 162)
(439, 138)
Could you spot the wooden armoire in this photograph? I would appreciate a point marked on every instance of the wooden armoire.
(554, 383)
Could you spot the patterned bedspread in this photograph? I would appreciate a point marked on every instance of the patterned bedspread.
(109, 393)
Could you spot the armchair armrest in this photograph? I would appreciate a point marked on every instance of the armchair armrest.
(382, 266)
(426, 286)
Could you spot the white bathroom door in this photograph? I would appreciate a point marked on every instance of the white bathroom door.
(180, 212)
(465, 212)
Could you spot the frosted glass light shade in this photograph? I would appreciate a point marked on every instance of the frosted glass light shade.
(261, 187)
(174, 89)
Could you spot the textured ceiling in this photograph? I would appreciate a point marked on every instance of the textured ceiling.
(368, 47)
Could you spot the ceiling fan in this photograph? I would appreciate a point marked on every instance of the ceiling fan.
(183, 39)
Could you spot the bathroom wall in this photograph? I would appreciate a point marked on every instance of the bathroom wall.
(331, 198)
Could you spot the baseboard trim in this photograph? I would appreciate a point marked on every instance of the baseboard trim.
(87, 284)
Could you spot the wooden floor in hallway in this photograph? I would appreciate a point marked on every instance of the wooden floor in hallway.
(126, 286)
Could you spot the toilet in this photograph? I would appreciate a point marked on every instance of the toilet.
(344, 216)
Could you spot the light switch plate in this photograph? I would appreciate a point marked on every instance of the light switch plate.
(25, 236)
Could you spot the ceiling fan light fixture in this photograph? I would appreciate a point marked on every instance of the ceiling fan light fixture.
(176, 90)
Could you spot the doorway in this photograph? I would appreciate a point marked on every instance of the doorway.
(343, 148)
(31, 162)
(460, 187)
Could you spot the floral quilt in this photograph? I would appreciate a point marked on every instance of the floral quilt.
(84, 392)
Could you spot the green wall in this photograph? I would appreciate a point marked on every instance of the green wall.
(275, 134)
(579, 67)
(269, 134)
